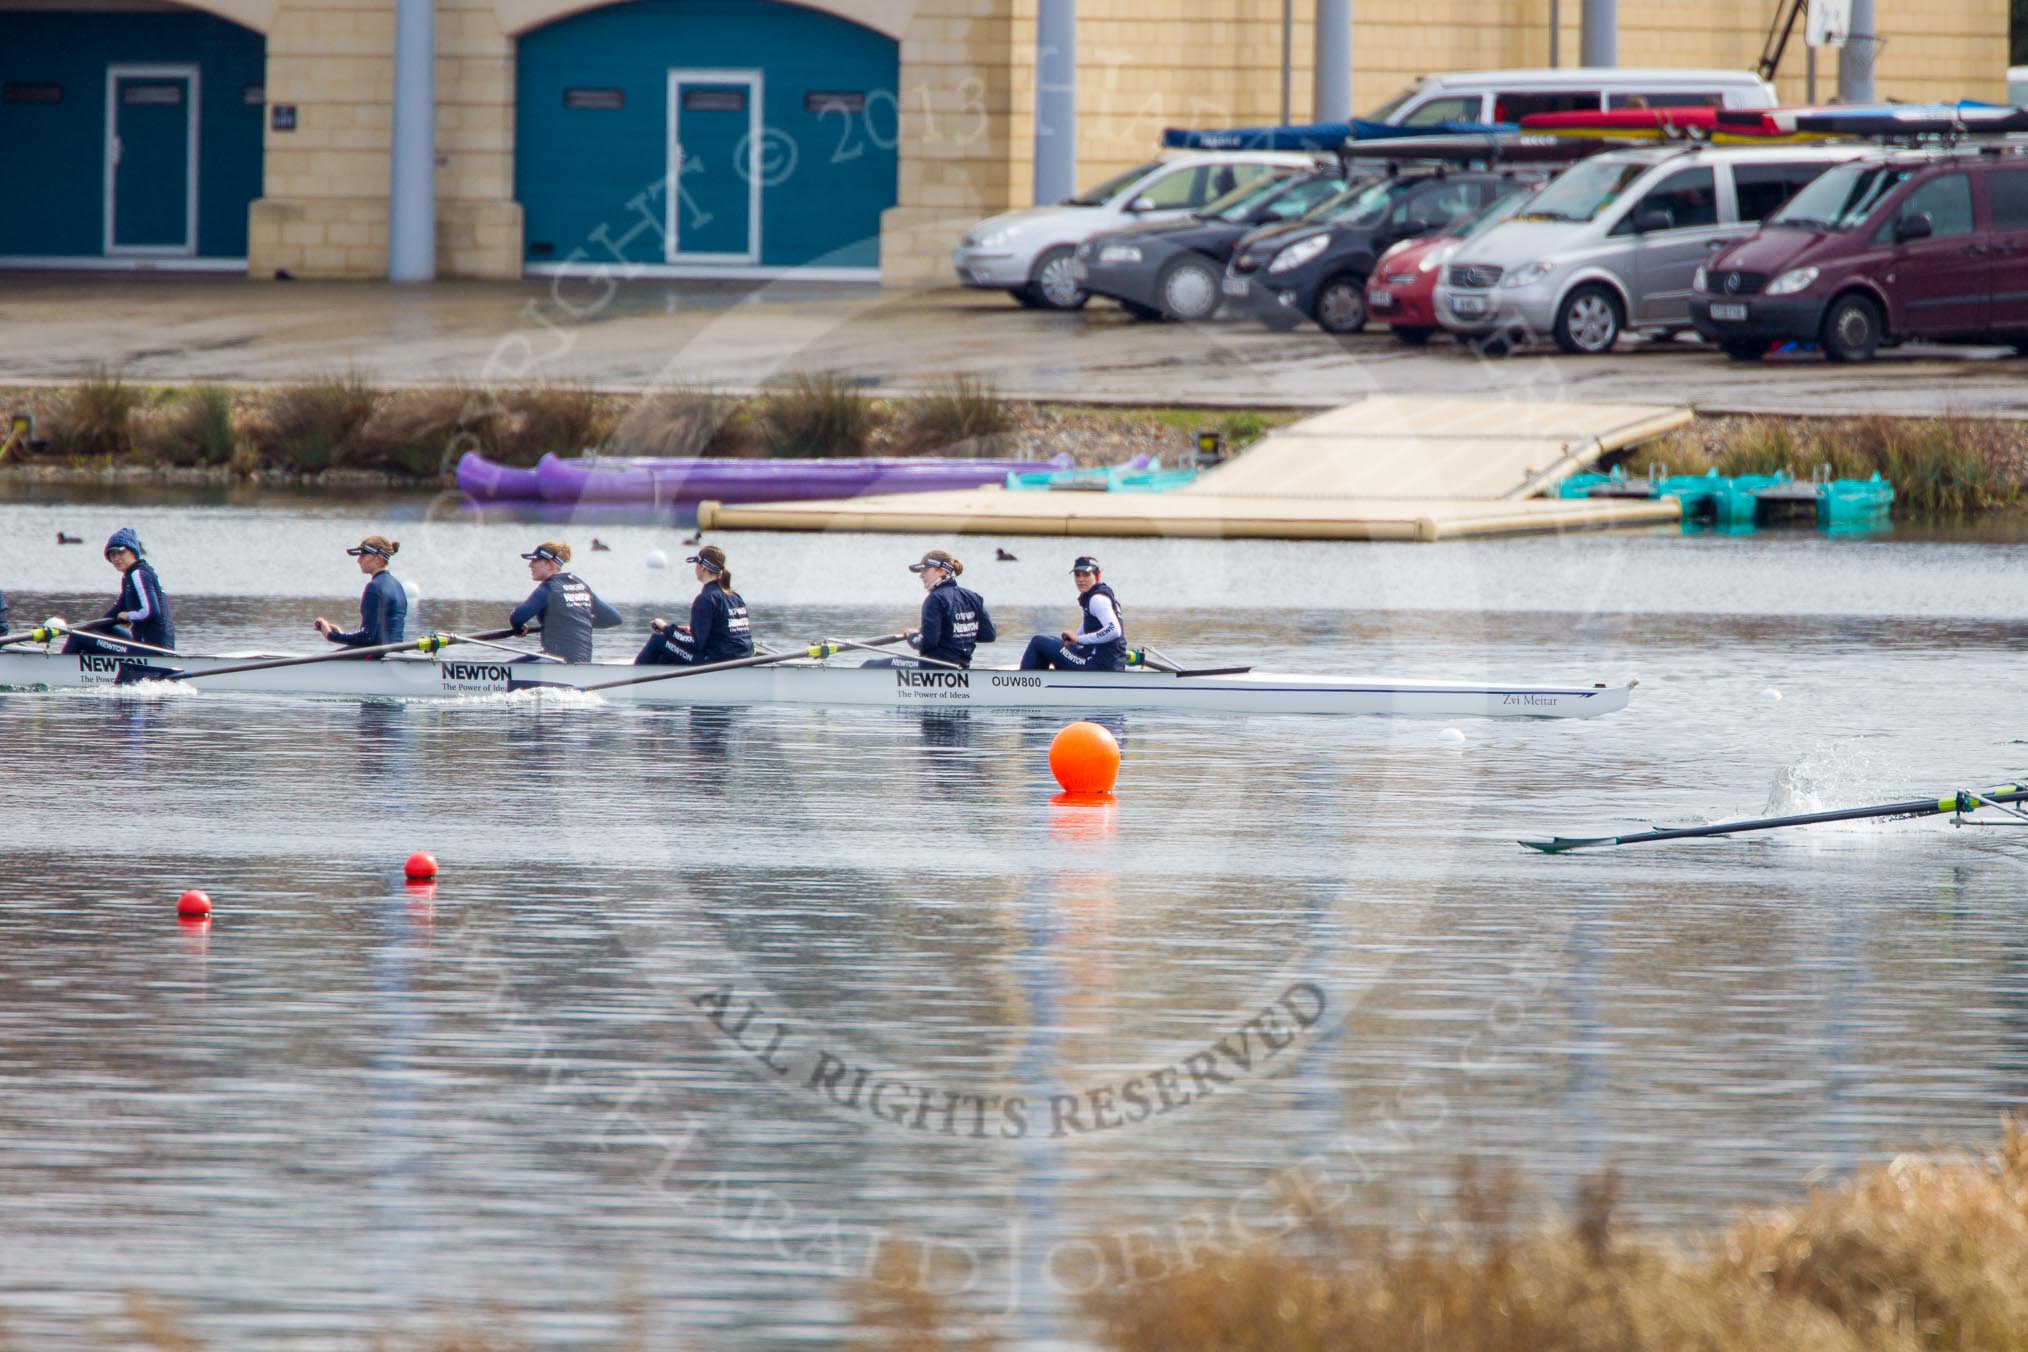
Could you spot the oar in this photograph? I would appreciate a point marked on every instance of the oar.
(1919, 807)
(503, 647)
(49, 632)
(123, 642)
(819, 650)
(428, 643)
(915, 657)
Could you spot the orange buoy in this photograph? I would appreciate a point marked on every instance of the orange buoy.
(193, 903)
(421, 866)
(1085, 759)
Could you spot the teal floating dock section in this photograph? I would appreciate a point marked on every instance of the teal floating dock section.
(1739, 503)
(1142, 475)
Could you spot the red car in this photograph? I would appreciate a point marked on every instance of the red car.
(1402, 291)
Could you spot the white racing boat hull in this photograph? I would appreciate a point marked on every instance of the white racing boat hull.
(807, 682)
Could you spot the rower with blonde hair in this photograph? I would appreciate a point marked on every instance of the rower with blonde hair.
(565, 606)
(954, 618)
(383, 607)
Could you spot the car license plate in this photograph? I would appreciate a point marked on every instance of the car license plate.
(1468, 305)
(1080, 271)
(1379, 298)
(1237, 286)
(1723, 310)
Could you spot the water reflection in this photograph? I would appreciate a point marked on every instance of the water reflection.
(350, 1106)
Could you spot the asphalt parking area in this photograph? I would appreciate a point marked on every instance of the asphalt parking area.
(640, 334)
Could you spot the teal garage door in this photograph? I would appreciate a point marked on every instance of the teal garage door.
(705, 134)
(134, 134)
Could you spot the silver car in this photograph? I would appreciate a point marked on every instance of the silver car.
(1613, 244)
(1028, 253)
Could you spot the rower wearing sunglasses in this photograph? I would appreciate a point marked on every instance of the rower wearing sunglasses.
(383, 608)
(562, 604)
(1100, 644)
(719, 630)
(141, 613)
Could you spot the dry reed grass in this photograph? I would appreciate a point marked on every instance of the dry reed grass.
(961, 415)
(95, 418)
(816, 415)
(681, 422)
(188, 427)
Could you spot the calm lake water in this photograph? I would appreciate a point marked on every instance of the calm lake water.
(709, 1009)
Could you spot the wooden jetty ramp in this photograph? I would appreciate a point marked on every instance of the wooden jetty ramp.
(1385, 468)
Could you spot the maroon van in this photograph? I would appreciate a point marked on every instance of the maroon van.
(1929, 245)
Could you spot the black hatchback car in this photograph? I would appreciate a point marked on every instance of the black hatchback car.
(1316, 268)
(1171, 269)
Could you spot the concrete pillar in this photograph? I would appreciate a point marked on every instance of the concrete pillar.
(1333, 84)
(412, 187)
(1855, 58)
(1599, 44)
(1055, 100)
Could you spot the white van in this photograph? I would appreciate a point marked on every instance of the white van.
(1510, 95)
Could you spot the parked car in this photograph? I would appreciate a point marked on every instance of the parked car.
(1402, 291)
(1316, 268)
(1612, 245)
(1510, 95)
(1900, 245)
(1028, 253)
(1172, 269)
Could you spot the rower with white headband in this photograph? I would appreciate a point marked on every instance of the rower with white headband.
(563, 604)
(719, 630)
(383, 607)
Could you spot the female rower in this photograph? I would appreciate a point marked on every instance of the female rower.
(719, 630)
(141, 613)
(953, 618)
(563, 603)
(1100, 644)
(383, 608)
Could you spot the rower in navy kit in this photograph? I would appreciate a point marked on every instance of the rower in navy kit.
(1100, 644)
(718, 631)
(141, 613)
(563, 604)
(3, 613)
(383, 608)
(954, 619)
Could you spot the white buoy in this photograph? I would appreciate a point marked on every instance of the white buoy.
(1770, 693)
(56, 622)
(657, 559)
(1451, 737)
(414, 592)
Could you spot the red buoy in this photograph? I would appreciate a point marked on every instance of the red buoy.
(1085, 759)
(193, 903)
(421, 866)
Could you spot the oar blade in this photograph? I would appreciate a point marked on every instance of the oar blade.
(1565, 844)
(138, 673)
(526, 683)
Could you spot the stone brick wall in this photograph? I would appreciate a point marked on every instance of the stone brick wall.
(324, 209)
(967, 98)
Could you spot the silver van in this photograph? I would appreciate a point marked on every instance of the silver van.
(1614, 243)
(1510, 95)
